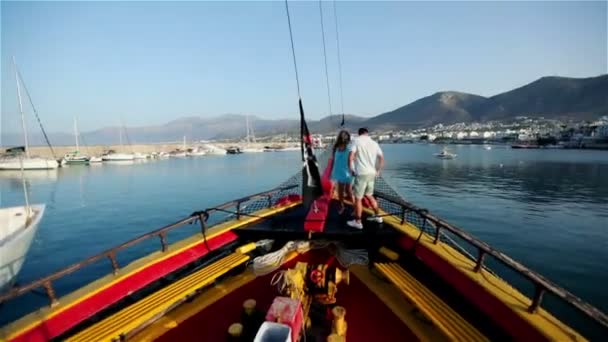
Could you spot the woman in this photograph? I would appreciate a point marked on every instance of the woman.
(340, 173)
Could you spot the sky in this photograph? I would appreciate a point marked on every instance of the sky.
(147, 63)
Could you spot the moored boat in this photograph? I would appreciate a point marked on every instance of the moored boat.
(18, 228)
(19, 158)
(112, 155)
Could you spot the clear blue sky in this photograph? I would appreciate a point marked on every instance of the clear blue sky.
(151, 62)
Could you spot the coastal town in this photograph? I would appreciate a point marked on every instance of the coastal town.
(522, 132)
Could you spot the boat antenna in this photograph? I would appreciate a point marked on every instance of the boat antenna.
(339, 63)
(325, 58)
(311, 178)
(46, 138)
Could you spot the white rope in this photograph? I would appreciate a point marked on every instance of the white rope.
(270, 262)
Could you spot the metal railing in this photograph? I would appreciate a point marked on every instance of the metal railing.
(541, 285)
(47, 282)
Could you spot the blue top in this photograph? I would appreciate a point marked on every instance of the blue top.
(340, 172)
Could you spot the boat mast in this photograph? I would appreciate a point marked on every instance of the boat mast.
(26, 145)
(76, 134)
(184, 143)
(247, 123)
(120, 138)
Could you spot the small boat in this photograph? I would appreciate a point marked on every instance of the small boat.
(10, 161)
(140, 156)
(213, 150)
(445, 155)
(252, 150)
(111, 155)
(250, 140)
(75, 157)
(178, 154)
(525, 146)
(487, 147)
(233, 150)
(95, 160)
(196, 152)
(19, 226)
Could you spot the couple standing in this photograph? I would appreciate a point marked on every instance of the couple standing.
(360, 160)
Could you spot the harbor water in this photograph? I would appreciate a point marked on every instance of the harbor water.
(547, 209)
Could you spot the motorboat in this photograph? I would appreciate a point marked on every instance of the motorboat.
(233, 150)
(445, 155)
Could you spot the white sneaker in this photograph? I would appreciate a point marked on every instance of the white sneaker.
(375, 218)
(355, 224)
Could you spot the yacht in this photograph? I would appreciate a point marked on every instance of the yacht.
(19, 157)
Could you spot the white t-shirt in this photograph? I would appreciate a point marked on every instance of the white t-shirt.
(366, 153)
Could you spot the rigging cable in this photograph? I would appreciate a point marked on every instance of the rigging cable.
(339, 64)
(27, 92)
(313, 181)
(325, 58)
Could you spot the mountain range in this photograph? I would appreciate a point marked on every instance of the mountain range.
(548, 97)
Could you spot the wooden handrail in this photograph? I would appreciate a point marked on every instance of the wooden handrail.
(541, 284)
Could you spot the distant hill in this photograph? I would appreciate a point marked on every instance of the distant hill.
(549, 97)
(194, 128)
(443, 107)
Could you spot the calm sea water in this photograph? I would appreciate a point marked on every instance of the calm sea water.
(546, 208)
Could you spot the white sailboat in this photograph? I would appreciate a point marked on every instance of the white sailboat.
(75, 157)
(14, 159)
(18, 225)
(250, 139)
(112, 155)
(180, 153)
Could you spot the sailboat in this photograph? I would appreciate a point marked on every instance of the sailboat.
(282, 265)
(250, 138)
(18, 226)
(112, 155)
(180, 153)
(13, 158)
(75, 157)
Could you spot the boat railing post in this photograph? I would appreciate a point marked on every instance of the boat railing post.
(50, 292)
(238, 210)
(539, 291)
(480, 256)
(163, 240)
(112, 257)
(269, 200)
(437, 233)
(402, 214)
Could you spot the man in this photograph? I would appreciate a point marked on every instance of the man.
(366, 161)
